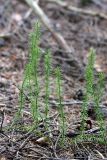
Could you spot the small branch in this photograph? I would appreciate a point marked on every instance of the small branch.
(57, 36)
(5, 35)
(78, 10)
(69, 102)
(74, 102)
(93, 130)
(100, 154)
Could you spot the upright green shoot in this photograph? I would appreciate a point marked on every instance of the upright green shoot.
(93, 94)
(33, 69)
(31, 74)
(60, 106)
(47, 83)
(98, 92)
(89, 77)
(21, 100)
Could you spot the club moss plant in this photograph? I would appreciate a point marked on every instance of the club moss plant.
(47, 84)
(32, 83)
(89, 77)
(60, 106)
(31, 75)
(31, 80)
(98, 92)
(93, 94)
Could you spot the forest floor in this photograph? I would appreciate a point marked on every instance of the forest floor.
(80, 31)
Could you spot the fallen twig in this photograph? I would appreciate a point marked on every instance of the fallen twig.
(68, 102)
(90, 106)
(71, 134)
(24, 142)
(5, 35)
(100, 154)
(38, 152)
(78, 10)
(93, 130)
(61, 41)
